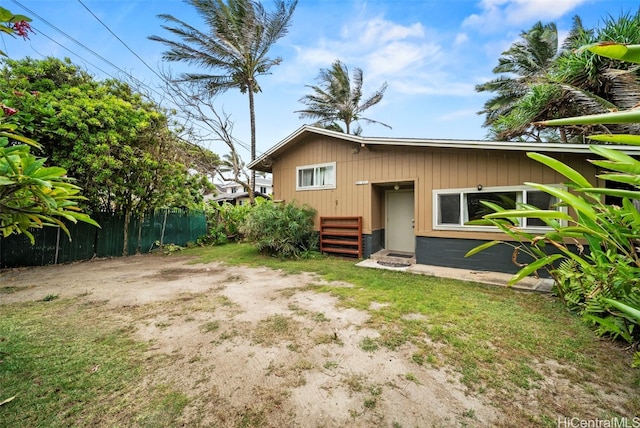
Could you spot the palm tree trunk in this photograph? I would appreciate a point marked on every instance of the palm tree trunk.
(252, 114)
(563, 135)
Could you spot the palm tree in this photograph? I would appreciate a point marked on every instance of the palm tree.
(339, 99)
(542, 82)
(233, 49)
(525, 64)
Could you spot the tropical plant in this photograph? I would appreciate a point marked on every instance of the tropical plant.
(538, 81)
(284, 230)
(224, 222)
(32, 194)
(523, 66)
(238, 38)
(603, 284)
(338, 99)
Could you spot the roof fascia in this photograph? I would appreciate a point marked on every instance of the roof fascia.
(442, 143)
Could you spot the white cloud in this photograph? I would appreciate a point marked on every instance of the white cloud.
(396, 59)
(495, 14)
(411, 58)
(461, 39)
(377, 30)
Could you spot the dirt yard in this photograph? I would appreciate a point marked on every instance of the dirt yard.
(254, 343)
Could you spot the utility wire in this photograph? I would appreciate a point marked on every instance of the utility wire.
(40, 32)
(129, 75)
(79, 43)
(121, 41)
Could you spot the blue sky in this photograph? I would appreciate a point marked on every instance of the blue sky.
(431, 53)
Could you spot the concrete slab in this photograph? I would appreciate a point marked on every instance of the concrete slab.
(541, 285)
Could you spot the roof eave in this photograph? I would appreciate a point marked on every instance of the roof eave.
(263, 162)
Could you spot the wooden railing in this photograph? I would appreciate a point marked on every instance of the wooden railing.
(341, 235)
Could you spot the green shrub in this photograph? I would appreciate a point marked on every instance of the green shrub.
(280, 229)
(224, 222)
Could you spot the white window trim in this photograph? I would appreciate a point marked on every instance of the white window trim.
(475, 228)
(318, 165)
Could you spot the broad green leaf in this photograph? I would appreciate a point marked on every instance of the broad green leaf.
(482, 247)
(534, 266)
(627, 116)
(52, 172)
(577, 203)
(531, 214)
(561, 168)
(632, 140)
(621, 193)
(632, 312)
(22, 139)
(480, 222)
(612, 154)
(629, 168)
(614, 50)
(622, 178)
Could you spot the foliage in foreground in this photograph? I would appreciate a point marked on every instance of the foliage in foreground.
(284, 230)
(603, 285)
(32, 194)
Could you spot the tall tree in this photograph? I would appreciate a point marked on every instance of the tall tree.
(338, 99)
(116, 144)
(234, 46)
(537, 84)
(524, 65)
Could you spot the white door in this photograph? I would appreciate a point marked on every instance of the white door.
(399, 233)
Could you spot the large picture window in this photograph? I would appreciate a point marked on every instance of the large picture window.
(320, 176)
(453, 208)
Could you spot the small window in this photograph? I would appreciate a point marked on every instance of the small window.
(311, 177)
(234, 190)
(454, 208)
(263, 190)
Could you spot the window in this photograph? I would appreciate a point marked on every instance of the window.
(234, 190)
(263, 190)
(321, 176)
(454, 208)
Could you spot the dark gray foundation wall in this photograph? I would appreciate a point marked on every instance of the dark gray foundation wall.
(372, 243)
(449, 252)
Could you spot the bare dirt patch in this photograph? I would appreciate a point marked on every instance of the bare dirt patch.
(255, 347)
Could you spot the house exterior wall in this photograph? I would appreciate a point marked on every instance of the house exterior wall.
(363, 174)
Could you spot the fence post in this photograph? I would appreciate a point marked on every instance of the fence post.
(164, 224)
(55, 259)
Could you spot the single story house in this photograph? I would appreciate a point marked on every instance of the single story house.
(414, 196)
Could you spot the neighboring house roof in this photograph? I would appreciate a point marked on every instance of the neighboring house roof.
(259, 182)
(264, 162)
(231, 197)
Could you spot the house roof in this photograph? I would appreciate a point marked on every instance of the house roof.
(259, 182)
(264, 162)
(229, 197)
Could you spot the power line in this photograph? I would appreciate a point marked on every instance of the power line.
(129, 75)
(79, 43)
(40, 32)
(121, 41)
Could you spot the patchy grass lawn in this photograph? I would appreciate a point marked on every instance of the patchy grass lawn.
(504, 343)
(68, 367)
